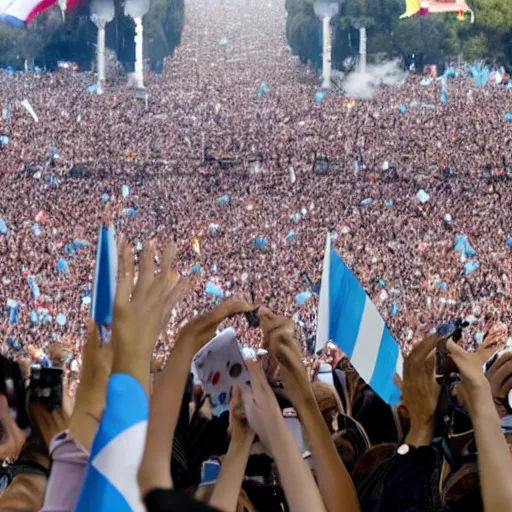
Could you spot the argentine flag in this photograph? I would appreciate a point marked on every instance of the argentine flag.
(349, 318)
(111, 481)
(105, 281)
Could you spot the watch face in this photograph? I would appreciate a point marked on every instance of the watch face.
(403, 449)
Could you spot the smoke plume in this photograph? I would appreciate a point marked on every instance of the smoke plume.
(136, 8)
(326, 8)
(102, 11)
(364, 85)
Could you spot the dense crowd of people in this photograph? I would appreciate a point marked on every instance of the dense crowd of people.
(228, 156)
(205, 108)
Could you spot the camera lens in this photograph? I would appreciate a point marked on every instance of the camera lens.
(446, 330)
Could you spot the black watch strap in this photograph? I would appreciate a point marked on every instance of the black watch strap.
(29, 467)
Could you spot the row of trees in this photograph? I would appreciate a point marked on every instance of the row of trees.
(48, 40)
(435, 39)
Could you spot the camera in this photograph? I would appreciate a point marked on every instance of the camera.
(46, 386)
(445, 367)
(12, 386)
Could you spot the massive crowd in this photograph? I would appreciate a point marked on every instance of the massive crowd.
(223, 157)
(206, 104)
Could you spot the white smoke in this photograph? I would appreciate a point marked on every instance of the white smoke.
(136, 8)
(364, 85)
(326, 8)
(102, 12)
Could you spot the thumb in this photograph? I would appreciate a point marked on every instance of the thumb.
(457, 353)
(459, 356)
(246, 396)
(256, 372)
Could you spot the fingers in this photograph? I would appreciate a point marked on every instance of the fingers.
(502, 361)
(93, 336)
(457, 353)
(168, 260)
(125, 273)
(502, 373)
(174, 293)
(232, 306)
(258, 379)
(397, 380)
(268, 319)
(425, 348)
(236, 397)
(146, 271)
(107, 218)
(270, 322)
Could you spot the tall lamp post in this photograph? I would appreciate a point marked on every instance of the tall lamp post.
(136, 9)
(102, 12)
(325, 10)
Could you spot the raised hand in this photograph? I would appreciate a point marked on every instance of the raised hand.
(260, 404)
(500, 379)
(238, 424)
(90, 398)
(473, 381)
(200, 330)
(143, 309)
(280, 339)
(420, 391)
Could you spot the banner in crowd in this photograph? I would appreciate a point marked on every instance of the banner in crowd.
(349, 318)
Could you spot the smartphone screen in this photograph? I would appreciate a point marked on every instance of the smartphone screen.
(220, 366)
(210, 470)
(293, 423)
(325, 374)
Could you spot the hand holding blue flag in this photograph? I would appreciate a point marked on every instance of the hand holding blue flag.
(348, 317)
(104, 287)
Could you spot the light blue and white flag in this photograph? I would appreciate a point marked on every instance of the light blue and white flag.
(111, 480)
(105, 281)
(349, 318)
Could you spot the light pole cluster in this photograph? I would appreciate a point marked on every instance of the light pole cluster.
(103, 12)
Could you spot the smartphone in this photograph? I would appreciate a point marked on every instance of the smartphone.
(325, 374)
(490, 362)
(293, 423)
(220, 366)
(444, 364)
(210, 470)
(46, 386)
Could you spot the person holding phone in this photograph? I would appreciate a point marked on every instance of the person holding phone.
(494, 457)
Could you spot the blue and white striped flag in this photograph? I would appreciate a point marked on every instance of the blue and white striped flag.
(105, 281)
(349, 318)
(111, 481)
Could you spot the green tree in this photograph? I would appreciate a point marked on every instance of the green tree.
(435, 37)
(476, 47)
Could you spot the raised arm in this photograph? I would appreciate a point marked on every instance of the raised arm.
(266, 419)
(168, 394)
(335, 484)
(228, 485)
(494, 457)
(141, 311)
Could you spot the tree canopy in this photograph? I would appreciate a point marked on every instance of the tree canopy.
(436, 38)
(48, 40)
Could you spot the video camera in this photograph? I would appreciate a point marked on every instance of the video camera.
(45, 387)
